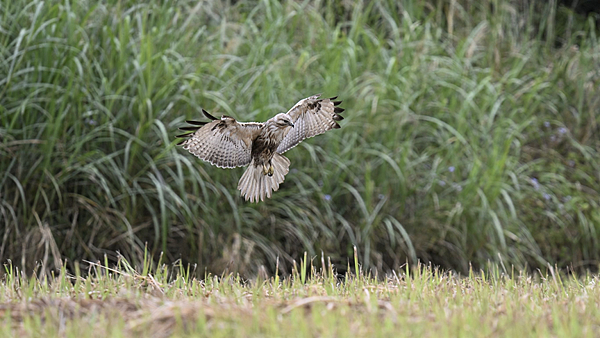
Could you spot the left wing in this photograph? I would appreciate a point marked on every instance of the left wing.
(311, 116)
(223, 142)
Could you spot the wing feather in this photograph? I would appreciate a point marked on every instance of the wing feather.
(223, 142)
(311, 116)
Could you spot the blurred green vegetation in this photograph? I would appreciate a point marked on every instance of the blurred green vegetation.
(471, 132)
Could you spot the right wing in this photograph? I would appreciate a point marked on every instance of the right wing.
(311, 116)
(224, 143)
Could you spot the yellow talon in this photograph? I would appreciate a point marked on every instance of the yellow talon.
(265, 170)
(271, 170)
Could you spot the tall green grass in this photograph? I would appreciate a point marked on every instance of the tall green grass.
(471, 132)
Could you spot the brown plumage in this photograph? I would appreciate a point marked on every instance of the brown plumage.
(227, 143)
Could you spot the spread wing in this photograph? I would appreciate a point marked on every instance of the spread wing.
(311, 116)
(225, 143)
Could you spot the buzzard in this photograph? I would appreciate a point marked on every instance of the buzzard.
(227, 143)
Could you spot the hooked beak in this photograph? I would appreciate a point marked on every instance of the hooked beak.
(290, 124)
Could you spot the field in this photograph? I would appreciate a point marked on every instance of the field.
(470, 142)
(419, 302)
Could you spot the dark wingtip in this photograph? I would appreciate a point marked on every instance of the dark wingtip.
(336, 126)
(188, 128)
(333, 98)
(182, 142)
(337, 117)
(184, 135)
(208, 115)
(338, 110)
(196, 123)
(335, 103)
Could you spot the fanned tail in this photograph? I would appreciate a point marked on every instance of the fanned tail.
(255, 185)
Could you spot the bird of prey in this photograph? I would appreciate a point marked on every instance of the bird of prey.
(227, 143)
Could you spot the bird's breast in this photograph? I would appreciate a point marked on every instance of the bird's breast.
(263, 149)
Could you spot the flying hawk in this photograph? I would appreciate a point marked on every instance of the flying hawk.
(227, 143)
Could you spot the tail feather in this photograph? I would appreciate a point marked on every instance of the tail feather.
(254, 185)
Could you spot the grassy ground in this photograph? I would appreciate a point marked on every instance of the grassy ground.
(471, 132)
(422, 302)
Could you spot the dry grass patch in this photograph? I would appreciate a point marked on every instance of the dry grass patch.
(313, 301)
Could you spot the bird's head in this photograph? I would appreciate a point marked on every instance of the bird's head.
(282, 120)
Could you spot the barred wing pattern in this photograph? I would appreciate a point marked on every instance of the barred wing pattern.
(223, 142)
(311, 116)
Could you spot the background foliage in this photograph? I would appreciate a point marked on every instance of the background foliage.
(471, 132)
